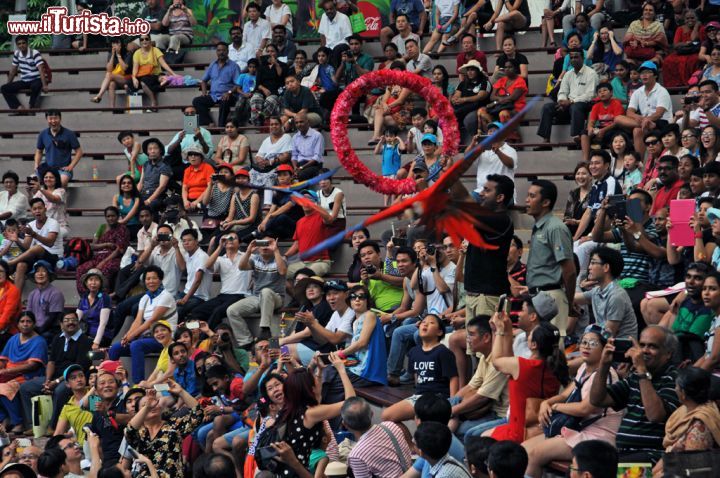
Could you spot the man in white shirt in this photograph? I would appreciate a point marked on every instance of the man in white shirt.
(43, 240)
(501, 158)
(334, 29)
(274, 150)
(234, 282)
(404, 33)
(316, 338)
(256, 34)
(13, 204)
(574, 101)
(650, 107)
(235, 47)
(160, 253)
(192, 260)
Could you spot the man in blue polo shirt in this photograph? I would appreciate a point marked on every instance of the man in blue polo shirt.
(221, 74)
(58, 143)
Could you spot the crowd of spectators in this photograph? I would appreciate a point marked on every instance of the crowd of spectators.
(595, 347)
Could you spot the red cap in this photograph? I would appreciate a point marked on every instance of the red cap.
(224, 165)
(242, 172)
(285, 167)
(110, 366)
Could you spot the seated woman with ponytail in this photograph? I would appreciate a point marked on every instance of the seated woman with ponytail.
(569, 418)
(540, 376)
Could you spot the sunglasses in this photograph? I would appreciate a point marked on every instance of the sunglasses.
(144, 39)
(652, 142)
(358, 296)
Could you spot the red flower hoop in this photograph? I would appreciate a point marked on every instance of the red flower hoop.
(360, 87)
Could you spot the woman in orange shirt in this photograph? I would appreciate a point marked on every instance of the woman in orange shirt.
(196, 178)
(9, 304)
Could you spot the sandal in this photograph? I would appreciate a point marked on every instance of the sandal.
(96, 99)
(373, 142)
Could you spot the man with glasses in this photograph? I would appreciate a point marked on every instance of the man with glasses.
(234, 282)
(611, 305)
(594, 459)
(383, 283)
(73, 452)
(670, 183)
(31, 66)
(70, 347)
(647, 393)
(654, 146)
(29, 456)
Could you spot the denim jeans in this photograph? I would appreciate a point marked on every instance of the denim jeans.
(11, 409)
(478, 430)
(137, 350)
(403, 338)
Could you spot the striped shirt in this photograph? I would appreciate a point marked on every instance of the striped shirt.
(375, 453)
(28, 65)
(637, 264)
(637, 433)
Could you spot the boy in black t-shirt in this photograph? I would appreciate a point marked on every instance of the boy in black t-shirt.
(433, 366)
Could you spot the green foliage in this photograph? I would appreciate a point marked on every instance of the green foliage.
(214, 19)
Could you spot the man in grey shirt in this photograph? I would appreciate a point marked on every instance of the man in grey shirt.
(268, 274)
(611, 305)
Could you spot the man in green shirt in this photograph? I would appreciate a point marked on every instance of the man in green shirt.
(355, 63)
(385, 289)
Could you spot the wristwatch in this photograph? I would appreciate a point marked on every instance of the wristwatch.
(646, 375)
(637, 235)
(393, 318)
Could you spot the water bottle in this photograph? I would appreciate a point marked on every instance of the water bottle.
(60, 264)
(95, 174)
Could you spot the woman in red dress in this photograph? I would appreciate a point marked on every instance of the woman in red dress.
(679, 66)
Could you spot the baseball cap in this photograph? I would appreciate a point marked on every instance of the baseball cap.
(225, 165)
(285, 167)
(242, 172)
(339, 285)
(163, 323)
(495, 124)
(109, 366)
(420, 166)
(70, 369)
(712, 25)
(712, 214)
(429, 137)
(544, 305)
(648, 65)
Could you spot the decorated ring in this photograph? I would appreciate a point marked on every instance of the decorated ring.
(359, 88)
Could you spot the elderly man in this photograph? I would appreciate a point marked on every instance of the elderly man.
(155, 176)
(13, 204)
(381, 450)
(647, 393)
(308, 148)
(334, 29)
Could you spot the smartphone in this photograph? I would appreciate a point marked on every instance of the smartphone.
(617, 206)
(216, 177)
(163, 237)
(399, 241)
(266, 453)
(87, 429)
(92, 402)
(622, 346)
(192, 325)
(161, 387)
(32, 179)
(190, 124)
(274, 343)
(97, 355)
(284, 350)
(325, 358)
(133, 453)
(503, 304)
(262, 242)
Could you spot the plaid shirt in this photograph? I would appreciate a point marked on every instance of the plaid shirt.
(449, 467)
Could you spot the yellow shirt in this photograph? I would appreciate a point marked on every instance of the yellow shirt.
(77, 418)
(163, 361)
(140, 58)
(491, 384)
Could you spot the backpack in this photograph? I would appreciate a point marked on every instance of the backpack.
(79, 249)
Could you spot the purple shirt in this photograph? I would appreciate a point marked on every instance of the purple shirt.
(44, 302)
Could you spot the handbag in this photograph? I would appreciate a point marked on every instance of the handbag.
(270, 435)
(698, 464)
(558, 420)
(688, 49)
(357, 22)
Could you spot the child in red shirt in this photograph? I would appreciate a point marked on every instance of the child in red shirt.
(601, 119)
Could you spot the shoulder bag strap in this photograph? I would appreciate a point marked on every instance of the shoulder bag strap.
(396, 445)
